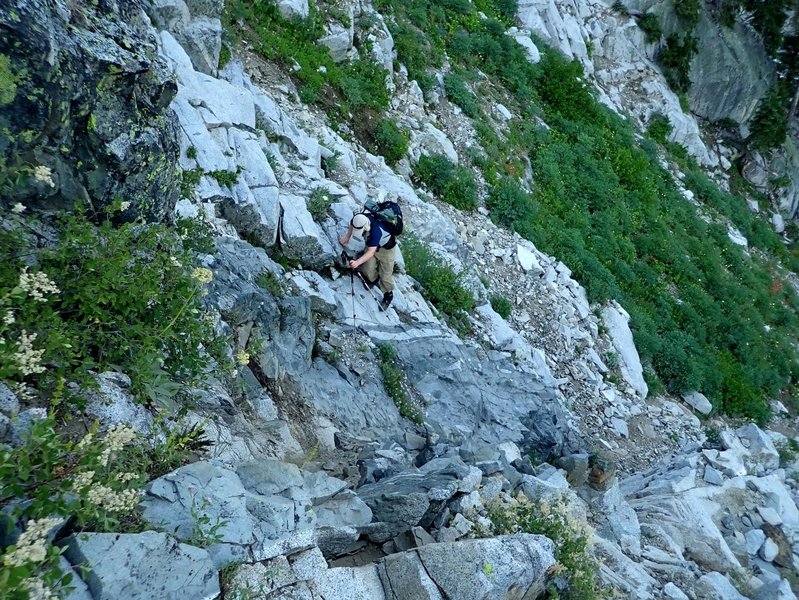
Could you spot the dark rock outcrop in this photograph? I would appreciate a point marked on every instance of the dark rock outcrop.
(84, 95)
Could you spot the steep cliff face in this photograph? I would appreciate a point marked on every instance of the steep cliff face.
(730, 72)
(83, 95)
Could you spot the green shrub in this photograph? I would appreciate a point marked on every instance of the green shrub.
(440, 284)
(770, 124)
(650, 25)
(688, 11)
(501, 305)
(509, 204)
(675, 56)
(226, 178)
(394, 382)
(554, 520)
(392, 143)
(271, 282)
(452, 183)
(318, 203)
(659, 128)
(458, 93)
(123, 298)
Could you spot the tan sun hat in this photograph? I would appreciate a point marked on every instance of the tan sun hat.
(360, 225)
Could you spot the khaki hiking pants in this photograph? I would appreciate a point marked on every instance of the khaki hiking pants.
(381, 265)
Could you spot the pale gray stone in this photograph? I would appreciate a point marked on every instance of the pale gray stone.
(699, 402)
(142, 566)
(712, 476)
(754, 540)
(714, 586)
(291, 9)
(616, 320)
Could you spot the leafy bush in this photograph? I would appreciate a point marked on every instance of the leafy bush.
(501, 305)
(650, 25)
(571, 537)
(457, 92)
(688, 11)
(675, 56)
(770, 123)
(394, 382)
(318, 203)
(391, 143)
(452, 183)
(659, 128)
(510, 205)
(440, 284)
(104, 297)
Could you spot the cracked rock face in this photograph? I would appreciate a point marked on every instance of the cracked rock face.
(87, 99)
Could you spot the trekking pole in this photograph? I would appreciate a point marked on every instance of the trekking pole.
(347, 258)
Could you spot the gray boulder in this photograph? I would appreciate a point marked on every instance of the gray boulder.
(300, 237)
(142, 566)
(514, 566)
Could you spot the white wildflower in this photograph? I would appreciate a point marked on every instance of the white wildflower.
(112, 501)
(175, 261)
(124, 206)
(125, 477)
(18, 208)
(8, 318)
(202, 275)
(29, 361)
(87, 441)
(242, 357)
(44, 175)
(36, 285)
(82, 480)
(30, 547)
(38, 589)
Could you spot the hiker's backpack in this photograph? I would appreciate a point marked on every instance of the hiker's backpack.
(388, 213)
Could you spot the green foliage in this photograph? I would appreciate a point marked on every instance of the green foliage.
(394, 382)
(659, 128)
(454, 184)
(93, 480)
(104, 297)
(501, 305)
(205, 530)
(225, 55)
(191, 152)
(318, 203)
(345, 90)
(650, 25)
(269, 281)
(788, 451)
(392, 143)
(457, 92)
(510, 205)
(688, 11)
(189, 181)
(8, 81)
(226, 178)
(619, 7)
(440, 284)
(675, 56)
(770, 123)
(571, 537)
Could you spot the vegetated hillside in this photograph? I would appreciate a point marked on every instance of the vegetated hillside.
(707, 314)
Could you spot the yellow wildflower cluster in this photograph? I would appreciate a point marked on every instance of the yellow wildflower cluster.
(242, 357)
(202, 275)
(36, 285)
(30, 547)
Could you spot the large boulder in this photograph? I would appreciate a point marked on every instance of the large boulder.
(142, 566)
(513, 566)
(87, 98)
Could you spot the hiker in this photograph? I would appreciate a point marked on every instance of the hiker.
(377, 262)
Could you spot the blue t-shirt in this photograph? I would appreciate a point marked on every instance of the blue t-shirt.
(378, 236)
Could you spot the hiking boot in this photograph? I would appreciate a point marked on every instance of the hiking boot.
(386, 302)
